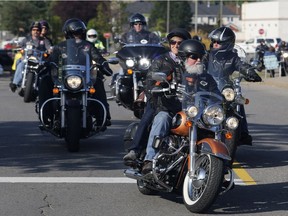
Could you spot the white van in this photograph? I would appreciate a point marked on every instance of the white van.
(250, 45)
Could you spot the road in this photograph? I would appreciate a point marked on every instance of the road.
(39, 177)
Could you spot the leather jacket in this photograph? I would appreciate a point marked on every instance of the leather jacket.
(133, 37)
(222, 64)
(85, 46)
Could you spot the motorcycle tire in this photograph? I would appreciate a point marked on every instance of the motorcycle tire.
(29, 94)
(200, 192)
(73, 128)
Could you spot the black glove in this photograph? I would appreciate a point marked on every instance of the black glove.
(252, 76)
(105, 69)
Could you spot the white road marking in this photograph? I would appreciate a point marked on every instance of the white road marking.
(77, 180)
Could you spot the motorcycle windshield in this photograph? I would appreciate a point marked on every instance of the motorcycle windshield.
(74, 58)
(200, 99)
(149, 51)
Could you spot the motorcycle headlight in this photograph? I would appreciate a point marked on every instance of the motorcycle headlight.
(285, 55)
(213, 115)
(229, 94)
(232, 123)
(74, 82)
(130, 63)
(192, 111)
(144, 64)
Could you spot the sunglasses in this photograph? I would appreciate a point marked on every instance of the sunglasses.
(38, 30)
(135, 24)
(194, 56)
(218, 42)
(172, 42)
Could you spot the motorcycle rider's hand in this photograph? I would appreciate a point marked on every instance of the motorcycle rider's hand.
(104, 67)
(253, 77)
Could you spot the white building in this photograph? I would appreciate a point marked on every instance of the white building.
(266, 19)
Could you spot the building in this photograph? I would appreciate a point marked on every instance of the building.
(266, 19)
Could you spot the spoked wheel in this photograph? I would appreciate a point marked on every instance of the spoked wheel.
(200, 191)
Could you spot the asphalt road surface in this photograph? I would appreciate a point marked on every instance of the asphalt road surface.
(39, 177)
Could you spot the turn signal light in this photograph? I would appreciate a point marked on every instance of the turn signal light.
(55, 91)
(130, 71)
(188, 124)
(228, 135)
(247, 101)
(92, 90)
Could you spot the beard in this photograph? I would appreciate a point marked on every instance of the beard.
(197, 68)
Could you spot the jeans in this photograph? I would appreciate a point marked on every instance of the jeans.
(18, 73)
(160, 127)
(139, 141)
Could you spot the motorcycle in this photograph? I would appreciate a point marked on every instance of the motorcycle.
(34, 67)
(191, 159)
(127, 86)
(76, 113)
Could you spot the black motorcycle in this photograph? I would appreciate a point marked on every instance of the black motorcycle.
(73, 113)
(34, 67)
(127, 86)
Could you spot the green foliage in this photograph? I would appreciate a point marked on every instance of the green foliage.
(180, 15)
(18, 16)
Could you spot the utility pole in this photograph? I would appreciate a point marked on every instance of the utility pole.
(196, 17)
(168, 16)
(220, 13)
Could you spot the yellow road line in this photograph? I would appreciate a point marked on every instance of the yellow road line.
(242, 174)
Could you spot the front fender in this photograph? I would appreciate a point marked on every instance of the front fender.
(214, 147)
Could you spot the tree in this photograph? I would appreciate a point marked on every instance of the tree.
(17, 17)
(180, 15)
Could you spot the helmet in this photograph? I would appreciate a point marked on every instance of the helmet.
(137, 18)
(44, 23)
(189, 47)
(179, 32)
(224, 36)
(91, 35)
(35, 24)
(74, 26)
(197, 37)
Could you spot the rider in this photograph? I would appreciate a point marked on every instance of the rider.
(169, 61)
(260, 51)
(222, 61)
(38, 42)
(190, 69)
(75, 29)
(137, 33)
(92, 36)
(45, 30)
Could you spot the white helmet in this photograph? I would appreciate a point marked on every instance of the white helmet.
(91, 35)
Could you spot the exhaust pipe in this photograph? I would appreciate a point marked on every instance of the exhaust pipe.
(130, 173)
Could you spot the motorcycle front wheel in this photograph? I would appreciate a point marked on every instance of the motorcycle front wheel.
(29, 90)
(73, 128)
(201, 190)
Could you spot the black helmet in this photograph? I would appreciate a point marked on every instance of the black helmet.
(197, 37)
(44, 23)
(137, 18)
(74, 26)
(35, 24)
(191, 47)
(224, 36)
(179, 32)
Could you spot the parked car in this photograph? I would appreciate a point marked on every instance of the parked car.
(6, 59)
(250, 45)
